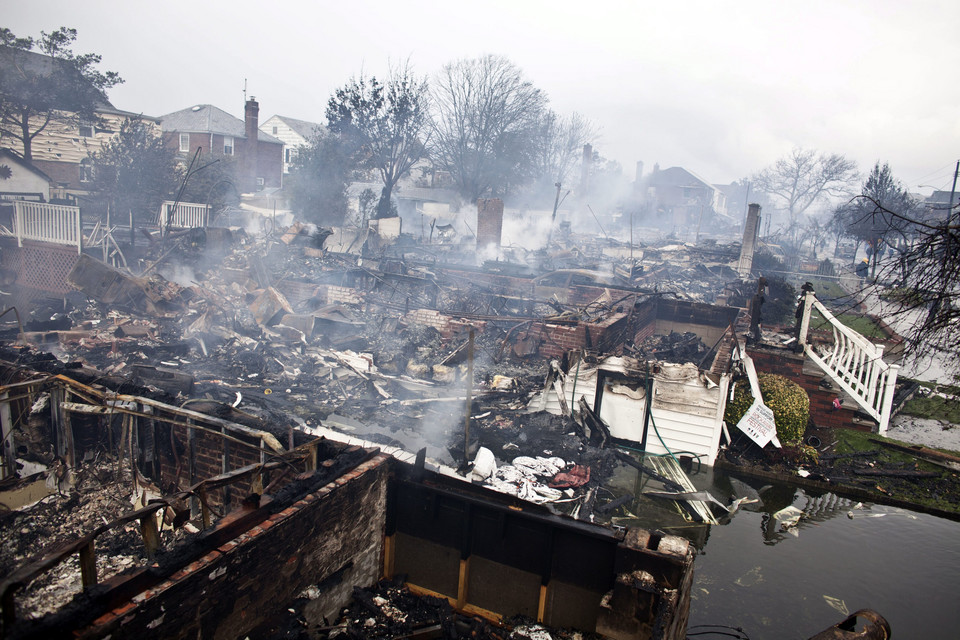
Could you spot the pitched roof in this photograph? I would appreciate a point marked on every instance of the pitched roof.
(303, 128)
(15, 157)
(206, 118)
(680, 177)
(36, 64)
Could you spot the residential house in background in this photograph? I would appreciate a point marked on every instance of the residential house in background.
(292, 133)
(683, 196)
(62, 150)
(20, 180)
(258, 155)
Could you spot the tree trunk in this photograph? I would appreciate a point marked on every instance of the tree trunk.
(25, 138)
(383, 206)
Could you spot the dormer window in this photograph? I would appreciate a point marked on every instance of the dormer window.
(227, 146)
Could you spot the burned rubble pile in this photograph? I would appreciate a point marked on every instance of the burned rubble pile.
(285, 336)
(101, 494)
(390, 610)
(675, 347)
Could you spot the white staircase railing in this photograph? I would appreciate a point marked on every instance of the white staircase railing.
(853, 363)
(186, 216)
(43, 222)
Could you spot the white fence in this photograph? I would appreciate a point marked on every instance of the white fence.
(854, 363)
(56, 223)
(186, 216)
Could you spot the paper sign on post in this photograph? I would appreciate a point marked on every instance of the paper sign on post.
(758, 423)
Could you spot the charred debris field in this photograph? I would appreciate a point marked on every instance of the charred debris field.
(289, 341)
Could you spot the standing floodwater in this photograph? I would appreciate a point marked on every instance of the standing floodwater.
(775, 579)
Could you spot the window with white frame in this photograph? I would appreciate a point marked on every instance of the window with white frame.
(86, 170)
(288, 155)
(86, 130)
(227, 146)
(185, 142)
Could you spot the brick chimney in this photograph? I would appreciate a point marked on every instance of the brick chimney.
(248, 161)
(489, 222)
(585, 168)
(251, 118)
(751, 231)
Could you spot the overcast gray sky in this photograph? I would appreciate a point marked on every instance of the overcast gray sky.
(721, 88)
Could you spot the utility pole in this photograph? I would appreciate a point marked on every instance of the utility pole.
(953, 190)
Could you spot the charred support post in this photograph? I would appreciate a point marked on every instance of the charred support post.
(9, 466)
(466, 424)
(88, 565)
(150, 534)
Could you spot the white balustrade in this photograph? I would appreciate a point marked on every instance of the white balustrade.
(43, 222)
(186, 216)
(854, 363)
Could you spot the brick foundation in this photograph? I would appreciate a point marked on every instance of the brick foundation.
(786, 363)
(334, 532)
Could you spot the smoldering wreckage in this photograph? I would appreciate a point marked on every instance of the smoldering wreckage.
(323, 434)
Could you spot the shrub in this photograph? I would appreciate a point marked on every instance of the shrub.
(788, 401)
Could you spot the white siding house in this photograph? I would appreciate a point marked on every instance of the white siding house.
(292, 132)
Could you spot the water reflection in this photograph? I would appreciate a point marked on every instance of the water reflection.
(777, 577)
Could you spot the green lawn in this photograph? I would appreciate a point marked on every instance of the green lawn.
(865, 326)
(829, 290)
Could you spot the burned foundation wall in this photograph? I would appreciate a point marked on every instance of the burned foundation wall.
(493, 557)
(332, 538)
(199, 454)
(557, 339)
(706, 320)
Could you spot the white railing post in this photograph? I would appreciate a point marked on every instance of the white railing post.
(18, 223)
(79, 234)
(808, 300)
(887, 406)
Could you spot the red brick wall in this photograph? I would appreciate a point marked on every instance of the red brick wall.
(270, 163)
(61, 173)
(246, 582)
(790, 365)
(209, 452)
(446, 325)
(202, 140)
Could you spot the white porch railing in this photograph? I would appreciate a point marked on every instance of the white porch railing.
(855, 364)
(43, 222)
(186, 216)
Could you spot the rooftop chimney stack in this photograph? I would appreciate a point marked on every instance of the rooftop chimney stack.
(248, 161)
(251, 118)
(750, 233)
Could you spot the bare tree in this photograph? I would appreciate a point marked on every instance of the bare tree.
(55, 85)
(560, 143)
(485, 125)
(388, 124)
(804, 177)
(927, 297)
